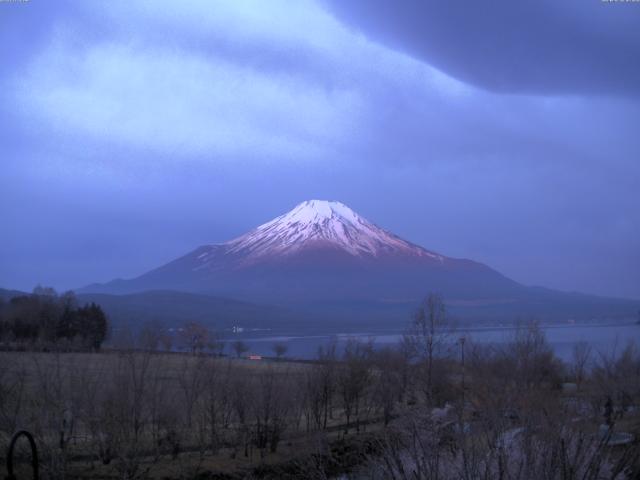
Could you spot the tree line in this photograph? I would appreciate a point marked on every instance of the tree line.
(45, 319)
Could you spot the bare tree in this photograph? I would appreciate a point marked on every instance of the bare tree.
(194, 337)
(320, 386)
(13, 395)
(192, 380)
(530, 358)
(150, 335)
(581, 356)
(353, 379)
(388, 380)
(240, 348)
(616, 379)
(280, 349)
(120, 417)
(313, 397)
(271, 406)
(216, 402)
(216, 344)
(243, 396)
(427, 336)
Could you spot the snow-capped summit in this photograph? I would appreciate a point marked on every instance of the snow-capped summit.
(322, 224)
(319, 251)
(329, 264)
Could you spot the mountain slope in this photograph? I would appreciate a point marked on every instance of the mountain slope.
(322, 256)
(319, 250)
(175, 308)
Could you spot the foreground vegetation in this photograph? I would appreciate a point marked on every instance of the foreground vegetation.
(436, 407)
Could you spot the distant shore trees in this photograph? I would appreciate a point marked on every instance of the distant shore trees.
(46, 318)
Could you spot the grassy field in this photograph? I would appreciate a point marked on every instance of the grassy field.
(160, 415)
(142, 414)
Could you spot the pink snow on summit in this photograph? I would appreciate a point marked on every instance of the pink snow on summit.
(327, 223)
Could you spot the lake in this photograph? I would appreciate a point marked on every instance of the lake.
(603, 338)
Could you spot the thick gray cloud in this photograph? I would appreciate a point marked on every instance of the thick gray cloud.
(543, 46)
(133, 132)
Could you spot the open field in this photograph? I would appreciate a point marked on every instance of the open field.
(159, 414)
(146, 414)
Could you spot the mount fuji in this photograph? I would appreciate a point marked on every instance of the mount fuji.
(323, 257)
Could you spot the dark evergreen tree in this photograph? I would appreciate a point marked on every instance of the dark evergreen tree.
(96, 328)
(46, 317)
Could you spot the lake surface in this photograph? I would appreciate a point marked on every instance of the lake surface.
(603, 338)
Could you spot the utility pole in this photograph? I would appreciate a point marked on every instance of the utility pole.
(462, 340)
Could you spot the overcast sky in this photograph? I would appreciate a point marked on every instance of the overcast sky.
(506, 132)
